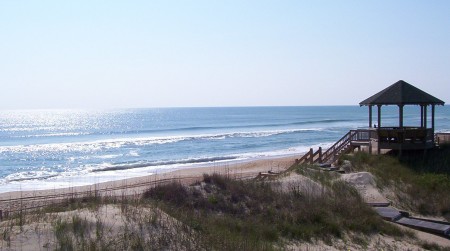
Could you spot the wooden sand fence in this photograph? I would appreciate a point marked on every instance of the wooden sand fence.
(61, 197)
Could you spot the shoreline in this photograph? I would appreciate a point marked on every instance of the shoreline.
(93, 177)
(12, 201)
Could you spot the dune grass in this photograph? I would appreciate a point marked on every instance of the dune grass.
(232, 214)
(420, 182)
(220, 213)
(436, 160)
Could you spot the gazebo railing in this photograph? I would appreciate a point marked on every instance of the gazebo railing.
(363, 135)
(405, 135)
(442, 138)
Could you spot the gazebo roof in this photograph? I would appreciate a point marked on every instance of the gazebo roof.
(402, 93)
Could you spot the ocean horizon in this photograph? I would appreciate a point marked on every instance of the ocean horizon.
(47, 149)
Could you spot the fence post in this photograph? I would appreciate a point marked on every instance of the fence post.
(1, 215)
(311, 154)
(320, 154)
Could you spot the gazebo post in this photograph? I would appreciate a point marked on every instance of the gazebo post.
(379, 125)
(421, 115)
(425, 116)
(400, 116)
(370, 116)
(432, 117)
(400, 108)
(379, 116)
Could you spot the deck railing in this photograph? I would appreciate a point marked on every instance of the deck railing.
(442, 138)
(364, 134)
(405, 135)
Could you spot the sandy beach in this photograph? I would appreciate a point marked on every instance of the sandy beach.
(13, 201)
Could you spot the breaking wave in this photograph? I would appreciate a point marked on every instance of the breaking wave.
(116, 167)
(130, 142)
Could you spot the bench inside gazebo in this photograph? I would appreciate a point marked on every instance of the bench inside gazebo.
(402, 137)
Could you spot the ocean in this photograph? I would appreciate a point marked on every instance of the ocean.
(46, 149)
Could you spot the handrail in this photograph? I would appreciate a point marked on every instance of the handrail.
(318, 152)
(330, 152)
(304, 158)
(339, 145)
(310, 157)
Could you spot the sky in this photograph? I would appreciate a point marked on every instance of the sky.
(139, 54)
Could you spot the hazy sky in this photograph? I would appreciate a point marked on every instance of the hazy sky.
(112, 54)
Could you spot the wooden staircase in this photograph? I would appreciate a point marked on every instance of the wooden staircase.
(342, 146)
(353, 139)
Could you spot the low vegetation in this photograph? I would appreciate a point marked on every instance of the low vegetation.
(220, 213)
(435, 160)
(418, 182)
(106, 225)
(232, 214)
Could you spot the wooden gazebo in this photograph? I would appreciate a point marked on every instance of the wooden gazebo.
(403, 137)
